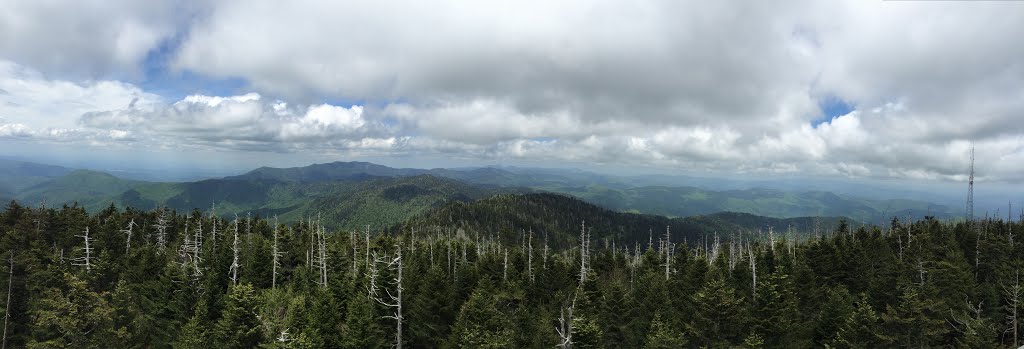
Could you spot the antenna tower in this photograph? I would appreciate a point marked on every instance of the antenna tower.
(970, 190)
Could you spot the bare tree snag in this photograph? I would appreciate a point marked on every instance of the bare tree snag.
(161, 229)
(1013, 294)
(7, 310)
(275, 254)
(128, 235)
(86, 258)
(234, 251)
(394, 300)
(667, 254)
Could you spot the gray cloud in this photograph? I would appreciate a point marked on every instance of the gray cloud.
(89, 39)
(716, 86)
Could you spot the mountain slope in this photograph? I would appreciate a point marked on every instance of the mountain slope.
(20, 175)
(90, 189)
(560, 217)
(690, 201)
(616, 193)
(385, 202)
(283, 190)
(327, 172)
(349, 204)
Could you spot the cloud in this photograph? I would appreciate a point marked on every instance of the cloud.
(246, 122)
(539, 58)
(701, 86)
(36, 101)
(89, 39)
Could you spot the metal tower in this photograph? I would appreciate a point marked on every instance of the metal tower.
(970, 190)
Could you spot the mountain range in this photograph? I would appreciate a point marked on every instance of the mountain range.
(355, 194)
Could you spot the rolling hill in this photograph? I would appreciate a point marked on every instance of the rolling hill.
(88, 188)
(690, 201)
(352, 189)
(559, 217)
(16, 176)
(616, 193)
(351, 203)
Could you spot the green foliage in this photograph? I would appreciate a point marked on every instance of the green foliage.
(913, 322)
(194, 335)
(239, 326)
(484, 321)
(850, 288)
(860, 328)
(69, 315)
(363, 328)
(719, 316)
(663, 335)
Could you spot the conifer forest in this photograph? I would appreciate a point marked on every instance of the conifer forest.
(535, 174)
(126, 278)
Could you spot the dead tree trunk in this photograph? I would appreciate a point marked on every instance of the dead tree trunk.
(275, 254)
(198, 239)
(394, 299)
(234, 252)
(128, 236)
(650, 239)
(529, 256)
(371, 276)
(355, 251)
(583, 253)
(545, 263)
(213, 228)
(504, 270)
(161, 230)
(899, 240)
(7, 310)
(86, 258)
(320, 255)
(667, 253)
(753, 271)
(197, 248)
(564, 328)
(1012, 299)
(367, 244)
(248, 230)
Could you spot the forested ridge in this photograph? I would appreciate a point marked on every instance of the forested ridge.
(353, 194)
(167, 279)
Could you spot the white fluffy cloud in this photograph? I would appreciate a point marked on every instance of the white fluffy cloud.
(245, 122)
(726, 86)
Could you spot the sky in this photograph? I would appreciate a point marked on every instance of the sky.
(859, 89)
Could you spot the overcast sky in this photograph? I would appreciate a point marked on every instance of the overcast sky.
(850, 89)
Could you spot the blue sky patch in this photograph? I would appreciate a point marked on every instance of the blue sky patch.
(832, 107)
(174, 85)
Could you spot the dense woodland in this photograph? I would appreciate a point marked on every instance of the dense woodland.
(166, 279)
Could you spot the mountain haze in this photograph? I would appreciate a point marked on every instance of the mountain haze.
(345, 193)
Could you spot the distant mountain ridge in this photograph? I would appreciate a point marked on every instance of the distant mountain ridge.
(326, 189)
(16, 176)
(328, 172)
(615, 193)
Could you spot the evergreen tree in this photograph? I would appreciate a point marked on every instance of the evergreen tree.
(860, 329)
(719, 315)
(913, 322)
(663, 335)
(194, 335)
(239, 326)
(484, 321)
(363, 327)
(72, 316)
